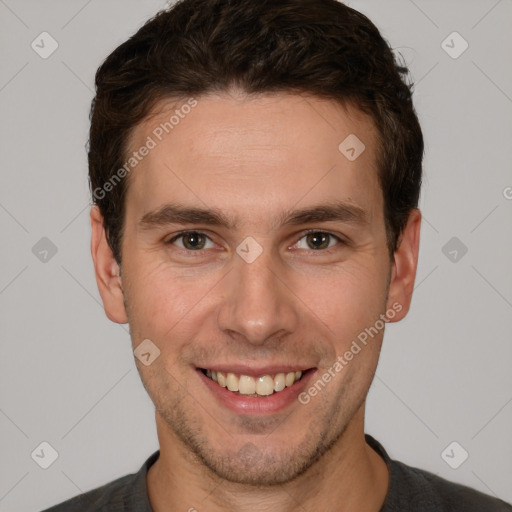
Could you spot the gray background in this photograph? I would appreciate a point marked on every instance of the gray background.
(67, 373)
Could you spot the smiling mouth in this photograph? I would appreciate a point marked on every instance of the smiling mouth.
(264, 385)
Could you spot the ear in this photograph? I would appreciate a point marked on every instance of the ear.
(107, 270)
(403, 270)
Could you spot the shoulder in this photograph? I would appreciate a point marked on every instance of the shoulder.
(425, 491)
(127, 493)
(111, 495)
(417, 490)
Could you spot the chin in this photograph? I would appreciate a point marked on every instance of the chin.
(250, 466)
(258, 462)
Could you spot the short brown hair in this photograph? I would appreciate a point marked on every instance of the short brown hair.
(196, 47)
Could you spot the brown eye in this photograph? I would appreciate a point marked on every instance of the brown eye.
(318, 240)
(194, 241)
(191, 241)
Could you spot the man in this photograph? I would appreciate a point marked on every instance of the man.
(256, 168)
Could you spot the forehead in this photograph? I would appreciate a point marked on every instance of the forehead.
(255, 154)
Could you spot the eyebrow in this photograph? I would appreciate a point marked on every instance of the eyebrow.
(173, 213)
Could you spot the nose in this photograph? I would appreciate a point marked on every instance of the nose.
(258, 305)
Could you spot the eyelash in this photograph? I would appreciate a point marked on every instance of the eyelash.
(304, 234)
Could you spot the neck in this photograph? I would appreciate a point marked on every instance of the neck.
(351, 475)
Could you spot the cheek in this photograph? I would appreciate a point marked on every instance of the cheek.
(162, 301)
(347, 299)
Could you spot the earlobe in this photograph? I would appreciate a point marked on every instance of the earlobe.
(405, 263)
(107, 270)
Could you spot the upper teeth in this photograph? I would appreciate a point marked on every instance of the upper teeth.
(246, 385)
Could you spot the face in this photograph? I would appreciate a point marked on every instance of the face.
(253, 246)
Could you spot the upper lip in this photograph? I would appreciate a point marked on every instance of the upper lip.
(256, 371)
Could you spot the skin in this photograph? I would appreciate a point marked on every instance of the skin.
(252, 159)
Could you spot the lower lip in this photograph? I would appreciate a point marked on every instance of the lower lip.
(254, 406)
